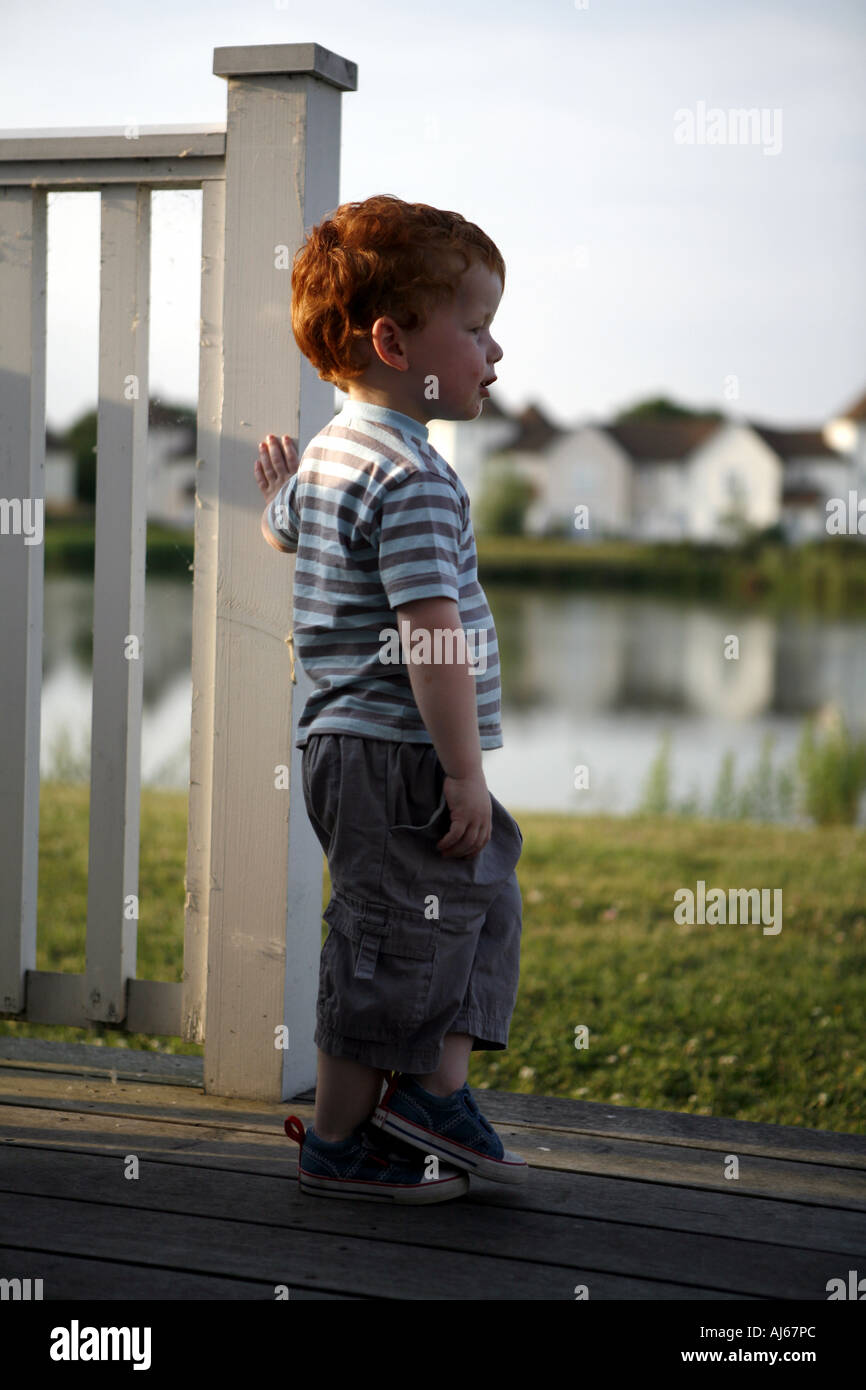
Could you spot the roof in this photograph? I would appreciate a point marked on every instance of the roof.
(534, 430)
(800, 496)
(649, 441)
(857, 411)
(790, 444)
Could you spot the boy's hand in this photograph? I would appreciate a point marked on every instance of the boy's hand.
(277, 461)
(471, 810)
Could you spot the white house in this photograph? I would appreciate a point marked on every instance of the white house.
(847, 434)
(732, 478)
(171, 458)
(814, 471)
(587, 467)
(657, 480)
(59, 473)
(683, 479)
(640, 479)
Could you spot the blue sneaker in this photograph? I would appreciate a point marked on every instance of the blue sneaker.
(368, 1166)
(451, 1126)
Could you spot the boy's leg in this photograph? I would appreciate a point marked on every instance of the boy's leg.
(346, 1094)
(367, 800)
(451, 1073)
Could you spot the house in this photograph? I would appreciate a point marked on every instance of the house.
(59, 474)
(698, 479)
(847, 434)
(813, 472)
(171, 467)
(703, 479)
(656, 480)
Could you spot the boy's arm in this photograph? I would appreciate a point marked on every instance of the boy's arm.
(445, 693)
(446, 700)
(271, 538)
(418, 540)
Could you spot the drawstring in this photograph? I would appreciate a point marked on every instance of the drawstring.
(290, 643)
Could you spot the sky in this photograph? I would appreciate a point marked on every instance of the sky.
(643, 256)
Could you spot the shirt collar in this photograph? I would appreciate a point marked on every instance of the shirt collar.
(382, 415)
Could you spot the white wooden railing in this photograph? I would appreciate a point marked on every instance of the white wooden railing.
(254, 867)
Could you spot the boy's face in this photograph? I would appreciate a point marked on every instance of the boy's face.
(456, 347)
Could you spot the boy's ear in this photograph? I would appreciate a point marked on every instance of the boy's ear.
(386, 337)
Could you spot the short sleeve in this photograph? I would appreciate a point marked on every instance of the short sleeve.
(417, 536)
(283, 519)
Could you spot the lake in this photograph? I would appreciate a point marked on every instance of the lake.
(587, 679)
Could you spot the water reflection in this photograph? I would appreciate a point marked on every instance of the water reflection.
(588, 679)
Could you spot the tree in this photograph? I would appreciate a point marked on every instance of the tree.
(80, 440)
(661, 408)
(502, 507)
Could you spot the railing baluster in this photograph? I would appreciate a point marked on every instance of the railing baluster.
(197, 882)
(118, 600)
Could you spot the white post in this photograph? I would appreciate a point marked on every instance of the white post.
(265, 865)
(22, 500)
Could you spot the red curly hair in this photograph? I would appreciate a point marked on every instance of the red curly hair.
(381, 256)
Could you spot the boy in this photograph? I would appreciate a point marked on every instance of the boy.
(393, 302)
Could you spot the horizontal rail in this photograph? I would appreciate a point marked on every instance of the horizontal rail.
(59, 997)
(113, 142)
(86, 176)
(86, 160)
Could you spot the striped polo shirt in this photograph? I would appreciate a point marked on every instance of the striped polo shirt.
(377, 518)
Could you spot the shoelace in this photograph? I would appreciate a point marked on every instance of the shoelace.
(378, 1153)
(467, 1097)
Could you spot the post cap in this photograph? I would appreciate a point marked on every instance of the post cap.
(311, 59)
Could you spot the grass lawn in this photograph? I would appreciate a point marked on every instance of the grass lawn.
(713, 1020)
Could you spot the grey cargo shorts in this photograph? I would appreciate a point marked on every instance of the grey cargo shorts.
(419, 945)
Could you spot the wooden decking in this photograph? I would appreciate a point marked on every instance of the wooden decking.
(633, 1204)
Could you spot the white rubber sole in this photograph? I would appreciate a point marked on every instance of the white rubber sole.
(509, 1168)
(441, 1189)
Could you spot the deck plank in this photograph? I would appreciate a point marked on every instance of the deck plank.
(734, 1265)
(74, 1276)
(502, 1107)
(815, 1183)
(631, 1203)
(314, 1259)
(639, 1202)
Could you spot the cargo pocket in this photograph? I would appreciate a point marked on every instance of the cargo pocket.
(376, 968)
(432, 823)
